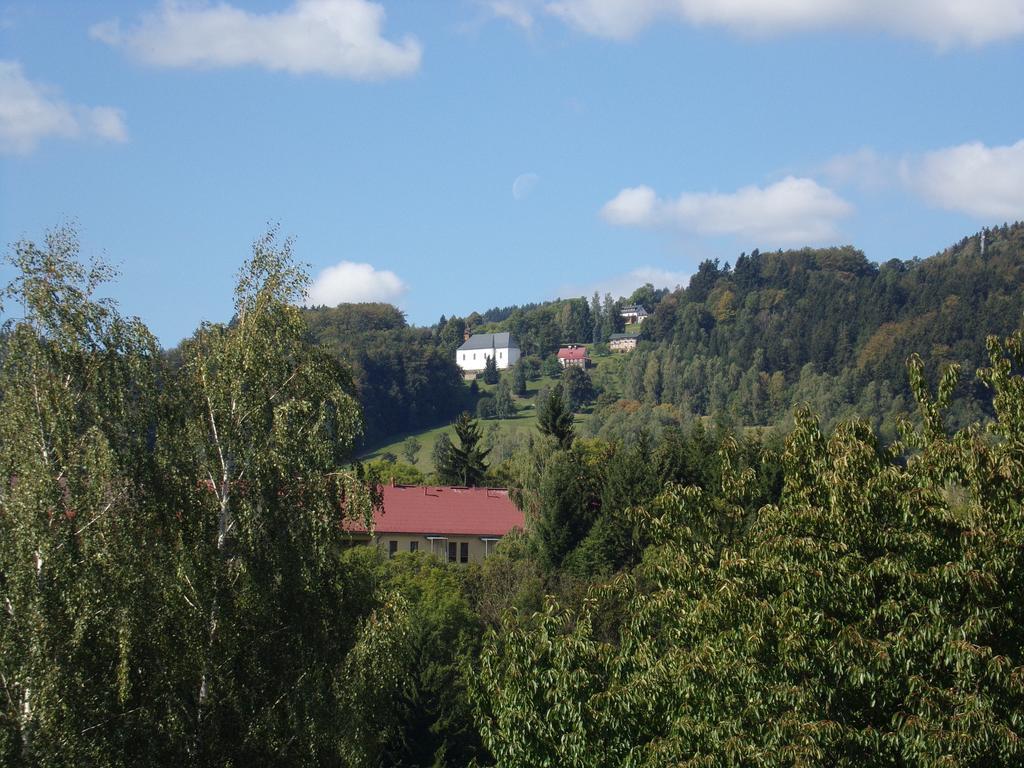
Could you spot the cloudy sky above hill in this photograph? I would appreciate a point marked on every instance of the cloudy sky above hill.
(456, 156)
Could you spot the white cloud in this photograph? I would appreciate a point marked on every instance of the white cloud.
(633, 207)
(943, 22)
(981, 181)
(340, 38)
(108, 123)
(624, 284)
(523, 185)
(30, 112)
(794, 211)
(519, 12)
(986, 182)
(349, 281)
(864, 168)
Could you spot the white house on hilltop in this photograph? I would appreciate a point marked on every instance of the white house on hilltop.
(472, 356)
(634, 313)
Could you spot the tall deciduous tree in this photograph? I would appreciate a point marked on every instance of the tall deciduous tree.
(268, 422)
(577, 387)
(170, 590)
(411, 449)
(452, 334)
(80, 563)
(610, 320)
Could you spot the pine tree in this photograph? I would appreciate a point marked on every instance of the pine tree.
(491, 369)
(463, 464)
(519, 379)
(555, 418)
(504, 408)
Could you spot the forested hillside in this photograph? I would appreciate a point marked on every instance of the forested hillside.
(744, 343)
(405, 380)
(826, 327)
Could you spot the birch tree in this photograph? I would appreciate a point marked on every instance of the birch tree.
(80, 561)
(171, 590)
(264, 424)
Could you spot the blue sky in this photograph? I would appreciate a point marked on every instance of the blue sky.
(388, 137)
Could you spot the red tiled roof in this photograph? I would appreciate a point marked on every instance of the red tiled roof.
(572, 353)
(443, 511)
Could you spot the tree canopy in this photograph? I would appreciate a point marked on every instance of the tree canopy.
(870, 617)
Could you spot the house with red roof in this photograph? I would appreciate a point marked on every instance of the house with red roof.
(573, 354)
(460, 525)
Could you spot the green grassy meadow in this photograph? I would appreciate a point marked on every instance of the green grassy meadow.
(525, 419)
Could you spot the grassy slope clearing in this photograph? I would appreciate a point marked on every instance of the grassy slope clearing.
(525, 419)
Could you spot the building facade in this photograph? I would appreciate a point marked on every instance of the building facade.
(573, 355)
(622, 342)
(635, 313)
(457, 525)
(472, 356)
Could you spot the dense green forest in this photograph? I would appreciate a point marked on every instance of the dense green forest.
(828, 328)
(689, 591)
(745, 344)
(405, 379)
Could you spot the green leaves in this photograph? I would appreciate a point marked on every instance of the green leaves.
(170, 586)
(872, 617)
(79, 575)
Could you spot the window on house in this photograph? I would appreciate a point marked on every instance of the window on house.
(501, 354)
(464, 552)
(474, 355)
(414, 546)
(451, 551)
(392, 548)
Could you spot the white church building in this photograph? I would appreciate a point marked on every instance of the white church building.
(472, 356)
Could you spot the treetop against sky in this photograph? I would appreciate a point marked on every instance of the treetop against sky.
(449, 157)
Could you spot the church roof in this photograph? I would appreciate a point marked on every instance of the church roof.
(490, 341)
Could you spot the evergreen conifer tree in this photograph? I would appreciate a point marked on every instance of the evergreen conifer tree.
(504, 408)
(554, 417)
(463, 464)
(519, 379)
(491, 370)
